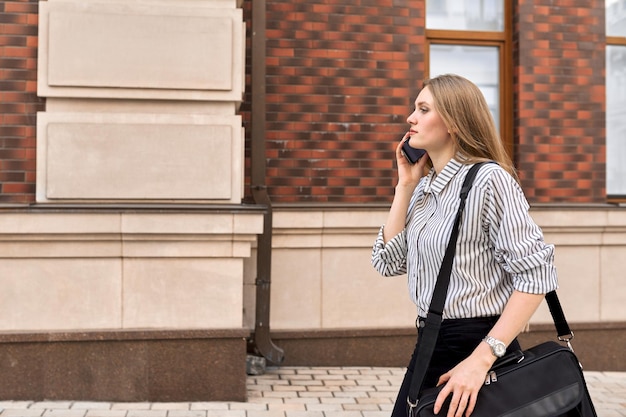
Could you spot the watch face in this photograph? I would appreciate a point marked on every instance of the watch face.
(499, 349)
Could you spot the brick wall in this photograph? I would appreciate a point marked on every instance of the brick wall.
(560, 100)
(341, 79)
(342, 76)
(18, 100)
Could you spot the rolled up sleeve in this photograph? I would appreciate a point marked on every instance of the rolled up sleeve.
(390, 259)
(518, 240)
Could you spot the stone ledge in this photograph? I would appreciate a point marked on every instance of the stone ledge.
(142, 365)
(599, 346)
(119, 335)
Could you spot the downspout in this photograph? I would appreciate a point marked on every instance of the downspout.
(262, 342)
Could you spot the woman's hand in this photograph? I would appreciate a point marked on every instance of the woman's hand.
(409, 174)
(463, 383)
(465, 380)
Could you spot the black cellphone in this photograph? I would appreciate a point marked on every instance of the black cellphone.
(411, 154)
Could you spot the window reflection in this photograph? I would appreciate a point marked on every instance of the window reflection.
(615, 17)
(616, 119)
(479, 64)
(481, 15)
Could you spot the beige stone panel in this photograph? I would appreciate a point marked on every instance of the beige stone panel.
(613, 280)
(192, 245)
(615, 236)
(578, 269)
(138, 157)
(133, 161)
(354, 295)
(568, 218)
(73, 105)
(55, 246)
(248, 223)
(60, 294)
(249, 290)
(356, 218)
(180, 247)
(617, 218)
(179, 223)
(59, 223)
(182, 293)
(242, 248)
(163, 50)
(285, 219)
(96, 49)
(312, 239)
(574, 237)
(296, 289)
(350, 238)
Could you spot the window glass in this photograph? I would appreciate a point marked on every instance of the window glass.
(478, 15)
(615, 17)
(479, 64)
(616, 120)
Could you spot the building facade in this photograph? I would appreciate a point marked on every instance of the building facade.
(186, 182)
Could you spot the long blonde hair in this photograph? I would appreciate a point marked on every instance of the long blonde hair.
(465, 112)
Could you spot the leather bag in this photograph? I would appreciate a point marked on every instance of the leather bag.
(546, 382)
(543, 381)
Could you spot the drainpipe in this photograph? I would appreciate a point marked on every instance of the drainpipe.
(262, 342)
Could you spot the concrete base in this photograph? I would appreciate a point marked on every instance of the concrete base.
(157, 366)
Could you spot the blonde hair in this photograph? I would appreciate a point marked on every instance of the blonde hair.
(465, 112)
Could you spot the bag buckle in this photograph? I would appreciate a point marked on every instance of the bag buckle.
(567, 339)
(412, 406)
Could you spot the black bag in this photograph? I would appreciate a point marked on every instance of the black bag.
(544, 381)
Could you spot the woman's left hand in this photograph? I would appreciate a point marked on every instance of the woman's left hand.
(463, 383)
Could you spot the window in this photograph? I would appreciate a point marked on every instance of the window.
(474, 15)
(477, 63)
(469, 38)
(616, 99)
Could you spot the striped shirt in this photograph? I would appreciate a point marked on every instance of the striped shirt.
(500, 248)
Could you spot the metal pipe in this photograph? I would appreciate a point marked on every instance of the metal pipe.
(261, 342)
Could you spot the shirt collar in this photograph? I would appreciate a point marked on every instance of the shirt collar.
(436, 183)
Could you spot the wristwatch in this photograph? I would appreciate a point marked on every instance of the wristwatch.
(498, 348)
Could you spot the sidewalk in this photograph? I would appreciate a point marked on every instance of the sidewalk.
(300, 392)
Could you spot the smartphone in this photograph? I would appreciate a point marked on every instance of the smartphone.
(411, 154)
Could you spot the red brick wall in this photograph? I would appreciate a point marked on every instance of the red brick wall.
(560, 100)
(342, 76)
(341, 79)
(18, 100)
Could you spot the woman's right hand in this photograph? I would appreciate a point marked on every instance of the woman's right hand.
(409, 174)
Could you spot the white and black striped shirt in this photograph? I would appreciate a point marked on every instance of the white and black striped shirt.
(500, 248)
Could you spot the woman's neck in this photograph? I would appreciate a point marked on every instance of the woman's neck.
(440, 160)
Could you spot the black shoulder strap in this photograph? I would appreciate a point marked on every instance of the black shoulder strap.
(435, 312)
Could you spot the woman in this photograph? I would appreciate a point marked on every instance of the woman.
(502, 268)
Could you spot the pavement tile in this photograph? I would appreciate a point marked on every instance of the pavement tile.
(105, 413)
(88, 405)
(51, 404)
(62, 412)
(20, 412)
